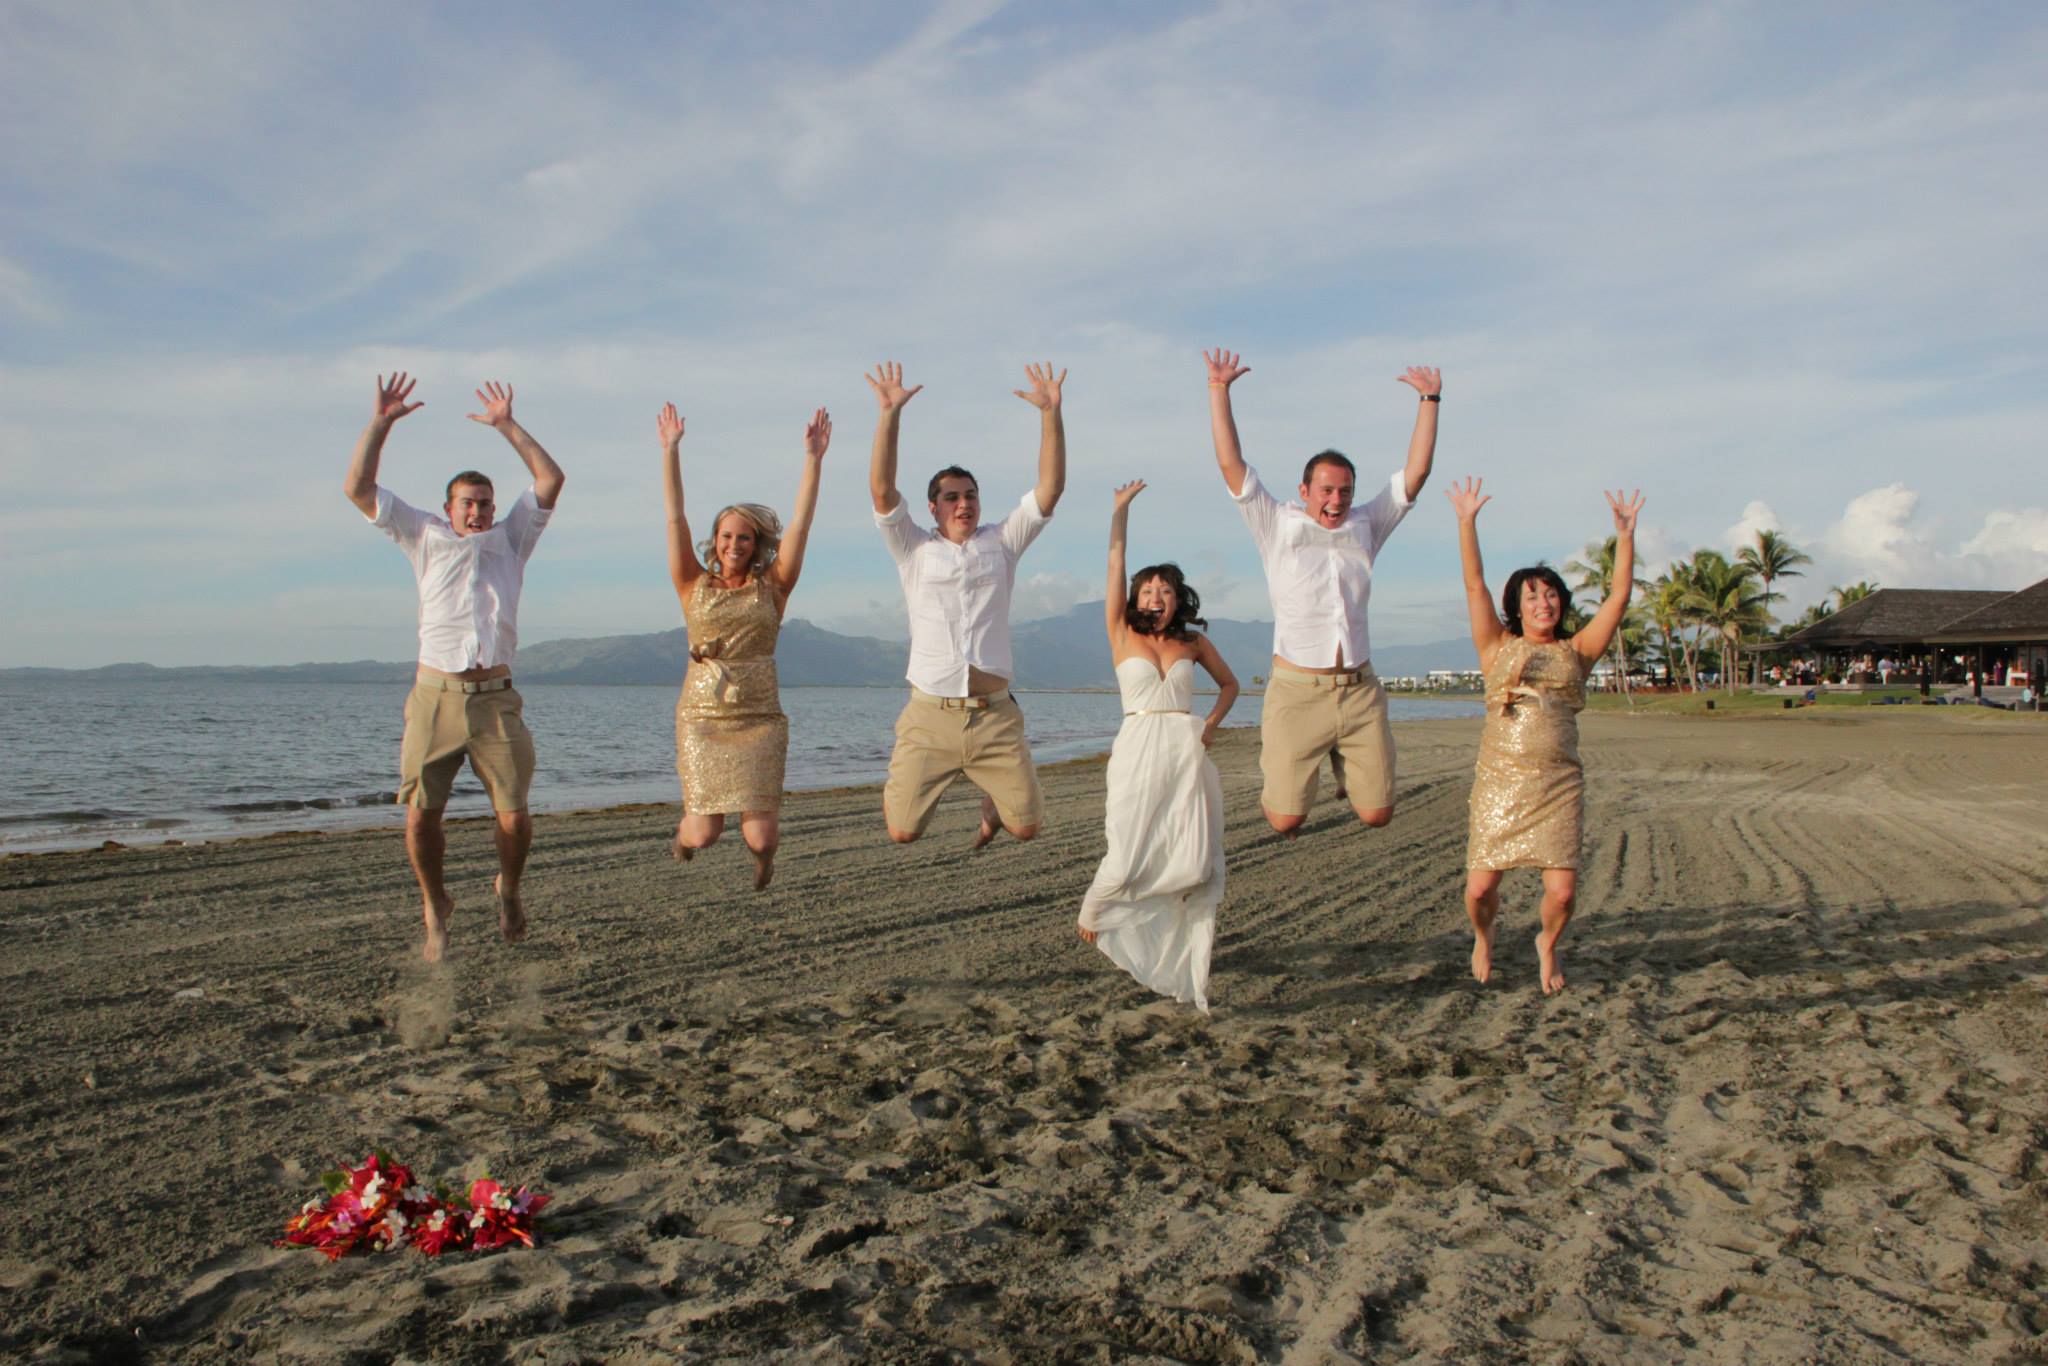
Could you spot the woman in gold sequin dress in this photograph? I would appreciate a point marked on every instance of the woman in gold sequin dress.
(1528, 789)
(731, 736)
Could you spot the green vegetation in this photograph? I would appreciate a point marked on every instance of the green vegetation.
(1743, 703)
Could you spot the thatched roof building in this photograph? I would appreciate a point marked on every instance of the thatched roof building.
(2015, 617)
(1894, 616)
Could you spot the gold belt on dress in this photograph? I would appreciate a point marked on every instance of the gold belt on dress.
(1159, 711)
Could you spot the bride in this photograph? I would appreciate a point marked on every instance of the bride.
(1152, 906)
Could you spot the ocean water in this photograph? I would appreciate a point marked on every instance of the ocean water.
(82, 762)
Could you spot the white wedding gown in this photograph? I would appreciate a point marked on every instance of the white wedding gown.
(1153, 903)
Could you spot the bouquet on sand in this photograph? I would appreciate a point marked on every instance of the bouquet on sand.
(380, 1207)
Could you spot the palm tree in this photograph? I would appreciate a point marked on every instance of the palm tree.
(1665, 607)
(1855, 592)
(1595, 574)
(1770, 557)
(1726, 599)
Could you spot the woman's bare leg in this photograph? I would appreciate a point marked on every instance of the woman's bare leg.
(1560, 894)
(694, 833)
(1482, 905)
(762, 830)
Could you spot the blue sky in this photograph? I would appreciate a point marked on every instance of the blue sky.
(1776, 265)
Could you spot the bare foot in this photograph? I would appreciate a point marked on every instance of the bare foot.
(764, 869)
(1087, 935)
(511, 915)
(1482, 953)
(437, 930)
(1547, 970)
(680, 852)
(990, 823)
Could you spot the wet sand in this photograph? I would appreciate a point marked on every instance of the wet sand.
(1792, 1107)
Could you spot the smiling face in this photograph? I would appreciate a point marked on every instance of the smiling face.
(1157, 598)
(1542, 609)
(957, 509)
(1327, 494)
(470, 508)
(733, 544)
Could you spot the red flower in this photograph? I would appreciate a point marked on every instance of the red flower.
(499, 1217)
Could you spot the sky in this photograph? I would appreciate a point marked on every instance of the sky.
(1773, 264)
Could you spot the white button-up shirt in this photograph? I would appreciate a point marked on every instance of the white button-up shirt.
(1320, 579)
(959, 595)
(469, 585)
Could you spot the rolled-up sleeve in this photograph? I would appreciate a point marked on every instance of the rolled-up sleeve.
(1023, 524)
(1261, 513)
(399, 520)
(899, 533)
(525, 522)
(1387, 508)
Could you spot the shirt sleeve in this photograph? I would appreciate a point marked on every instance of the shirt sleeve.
(399, 520)
(525, 522)
(1387, 508)
(1023, 524)
(899, 533)
(1261, 512)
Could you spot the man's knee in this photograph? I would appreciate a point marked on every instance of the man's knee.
(1022, 832)
(1377, 817)
(421, 819)
(902, 836)
(1282, 823)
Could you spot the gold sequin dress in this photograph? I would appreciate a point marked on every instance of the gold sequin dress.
(1528, 788)
(731, 736)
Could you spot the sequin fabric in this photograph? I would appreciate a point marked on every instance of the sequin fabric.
(731, 736)
(1528, 787)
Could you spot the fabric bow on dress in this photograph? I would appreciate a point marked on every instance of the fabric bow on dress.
(722, 684)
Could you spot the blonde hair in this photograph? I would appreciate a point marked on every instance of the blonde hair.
(767, 536)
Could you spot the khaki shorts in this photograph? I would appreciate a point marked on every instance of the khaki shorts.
(938, 740)
(1305, 717)
(443, 724)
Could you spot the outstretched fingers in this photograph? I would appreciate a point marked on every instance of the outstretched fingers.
(887, 382)
(1225, 367)
(669, 426)
(392, 395)
(1466, 498)
(1423, 379)
(818, 433)
(1126, 492)
(496, 399)
(1626, 509)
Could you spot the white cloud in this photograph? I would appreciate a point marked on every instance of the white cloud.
(1757, 516)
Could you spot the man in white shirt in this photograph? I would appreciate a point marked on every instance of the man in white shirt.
(961, 719)
(470, 566)
(1318, 555)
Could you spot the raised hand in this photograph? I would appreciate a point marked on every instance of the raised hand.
(1625, 511)
(1125, 493)
(1423, 379)
(669, 427)
(1044, 393)
(887, 382)
(1467, 500)
(1224, 368)
(392, 396)
(818, 434)
(497, 401)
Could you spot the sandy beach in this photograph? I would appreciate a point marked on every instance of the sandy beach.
(1793, 1106)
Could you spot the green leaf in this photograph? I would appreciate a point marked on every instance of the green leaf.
(334, 1183)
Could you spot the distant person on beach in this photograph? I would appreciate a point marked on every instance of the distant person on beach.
(1322, 697)
(1528, 790)
(732, 739)
(961, 718)
(470, 566)
(1152, 906)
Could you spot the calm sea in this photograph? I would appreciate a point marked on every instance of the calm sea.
(84, 762)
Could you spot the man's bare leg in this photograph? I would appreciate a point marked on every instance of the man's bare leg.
(1560, 894)
(1283, 824)
(426, 844)
(514, 835)
(762, 830)
(1376, 817)
(1482, 906)
(992, 821)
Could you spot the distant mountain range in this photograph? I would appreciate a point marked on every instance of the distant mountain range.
(1065, 651)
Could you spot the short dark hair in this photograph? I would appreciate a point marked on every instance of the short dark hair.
(467, 477)
(931, 490)
(1308, 471)
(1511, 596)
(1187, 604)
